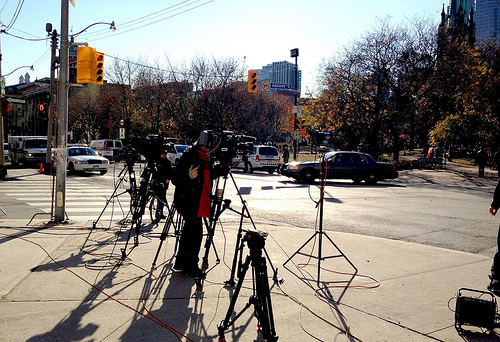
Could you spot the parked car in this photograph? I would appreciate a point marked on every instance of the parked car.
(6, 151)
(85, 159)
(175, 153)
(342, 165)
(108, 148)
(262, 157)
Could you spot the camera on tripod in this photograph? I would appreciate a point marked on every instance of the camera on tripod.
(152, 146)
(224, 146)
(255, 239)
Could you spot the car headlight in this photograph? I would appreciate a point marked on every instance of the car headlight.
(105, 161)
(80, 162)
(293, 167)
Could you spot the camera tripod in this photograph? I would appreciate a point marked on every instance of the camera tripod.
(261, 298)
(320, 231)
(170, 222)
(139, 200)
(219, 205)
(128, 168)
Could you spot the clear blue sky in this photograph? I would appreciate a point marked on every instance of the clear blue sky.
(263, 31)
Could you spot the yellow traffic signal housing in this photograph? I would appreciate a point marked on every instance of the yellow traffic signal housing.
(252, 81)
(85, 64)
(303, 127)
(99, 68)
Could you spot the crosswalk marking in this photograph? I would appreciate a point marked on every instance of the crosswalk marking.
(82, 202)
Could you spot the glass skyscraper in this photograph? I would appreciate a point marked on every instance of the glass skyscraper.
(487, 20)
(280, 73)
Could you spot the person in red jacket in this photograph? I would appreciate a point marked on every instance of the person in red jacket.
(193, 188)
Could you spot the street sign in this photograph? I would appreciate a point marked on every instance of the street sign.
(265, 85)
(281, 86)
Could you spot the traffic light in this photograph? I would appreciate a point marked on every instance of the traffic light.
(252, 81)
(42, 111)
(303, 127)
(296, 125)
(85, 64)
(99, 68)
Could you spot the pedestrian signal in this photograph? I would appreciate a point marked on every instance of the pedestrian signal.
(42, 111)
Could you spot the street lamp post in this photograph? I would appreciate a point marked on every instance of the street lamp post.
(295, 53)
(62, 118)
(61, 150)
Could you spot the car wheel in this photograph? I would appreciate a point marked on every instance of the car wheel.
(308, 175)
(71, 169)
(270, 171)
(371, 179)
(103, 172)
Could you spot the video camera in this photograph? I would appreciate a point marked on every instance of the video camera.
(152, 146)
(224, 146)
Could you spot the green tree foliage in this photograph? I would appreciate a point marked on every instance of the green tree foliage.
(410, 82)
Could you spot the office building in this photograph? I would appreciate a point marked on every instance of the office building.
(487, 20)
(281, 77)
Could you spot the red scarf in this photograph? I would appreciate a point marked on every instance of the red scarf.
(204, 208)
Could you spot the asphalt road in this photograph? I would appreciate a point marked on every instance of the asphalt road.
(446, 208)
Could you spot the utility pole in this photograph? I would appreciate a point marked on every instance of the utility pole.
(62, 117)
(53, 97)
(3, 169)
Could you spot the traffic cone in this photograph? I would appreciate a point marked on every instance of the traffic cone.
(41, 168)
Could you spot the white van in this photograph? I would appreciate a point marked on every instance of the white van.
(108, 148)
(262, 157)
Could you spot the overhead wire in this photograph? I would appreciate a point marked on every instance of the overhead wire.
(114, 34)
(5, 4)
(16, 14)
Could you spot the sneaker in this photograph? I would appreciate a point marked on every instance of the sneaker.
(494, 286)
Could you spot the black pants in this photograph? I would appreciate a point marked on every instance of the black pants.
(189, 244)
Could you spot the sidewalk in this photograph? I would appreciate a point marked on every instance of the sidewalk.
(51, 291)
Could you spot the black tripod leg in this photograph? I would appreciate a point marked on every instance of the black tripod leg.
(298, 251)
(263, 307)
(227, 321)
(164, 233)
(113, 195)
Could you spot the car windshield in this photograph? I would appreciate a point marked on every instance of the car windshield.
(181, 148)
(36, 143)
(84, 151)
(347, 157)
(328, 156)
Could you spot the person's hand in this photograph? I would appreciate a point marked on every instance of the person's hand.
(493, 211)
(193, 172)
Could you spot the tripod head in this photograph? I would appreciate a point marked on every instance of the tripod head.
(255, 239)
